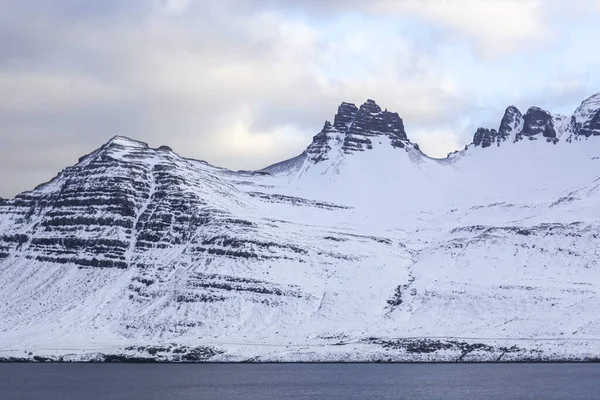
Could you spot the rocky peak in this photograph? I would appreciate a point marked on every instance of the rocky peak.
(510, 126)
(485, 137)
(370, 106)
(354, 129)
(586, 119)
(126, 142)
(514, 127)
(120, 144)
(115, 145)
(371, 121)
(345, 116)
(511, 123)
(537, 122)
(319, 149)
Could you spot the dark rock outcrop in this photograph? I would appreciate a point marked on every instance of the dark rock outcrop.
(592, 127)
(485, 137)
(345, 117)
(356, 129)
(509, 125)
(511, 121)
(319, 149)
(586, 119)
(371, 121)
(514, 127)
(122, 203)
(538, 123)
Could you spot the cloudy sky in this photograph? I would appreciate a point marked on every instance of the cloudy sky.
(245, 83)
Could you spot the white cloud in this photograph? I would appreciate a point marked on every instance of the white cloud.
(437, 143)
(243, 147)
(497, 26)
(41, 91)
(245, 84)
(241, 91)
(173, 7)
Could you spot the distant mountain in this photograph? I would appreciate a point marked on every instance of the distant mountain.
(537, 123)
(353, 130)
(362, 248)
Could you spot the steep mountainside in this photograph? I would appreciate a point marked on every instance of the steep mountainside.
(360, 248)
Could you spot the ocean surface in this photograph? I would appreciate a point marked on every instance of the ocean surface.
(299, 381)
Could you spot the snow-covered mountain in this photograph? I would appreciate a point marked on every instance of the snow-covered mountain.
(360, 248)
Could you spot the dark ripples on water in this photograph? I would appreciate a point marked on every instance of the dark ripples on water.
(300, 381)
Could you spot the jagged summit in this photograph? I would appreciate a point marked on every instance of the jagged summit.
(371, 121)
(345, 116)
(126, 142)
(538, 123)
(586, 119)
(318, 149)
(138, 252)
(354, 129)
(358, 129)
(123, 143)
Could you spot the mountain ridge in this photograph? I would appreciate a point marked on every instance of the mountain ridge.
(585, 122)
(362, 249)
(514, 127)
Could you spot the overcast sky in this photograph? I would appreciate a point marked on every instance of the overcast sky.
(245, 83)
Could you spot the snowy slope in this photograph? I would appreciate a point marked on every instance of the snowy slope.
(360, 248)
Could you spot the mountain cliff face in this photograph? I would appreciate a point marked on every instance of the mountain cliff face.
(354, 130)
(586, 119)
(361, 248)
(537, 123)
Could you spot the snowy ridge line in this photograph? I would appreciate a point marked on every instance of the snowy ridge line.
(362, 248)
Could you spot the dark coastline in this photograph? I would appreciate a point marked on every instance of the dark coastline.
(120, 359)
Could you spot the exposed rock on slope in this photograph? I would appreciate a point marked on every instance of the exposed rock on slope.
(586, 119)
(541, 124)
(361, 248)
(369, 122)
(537, 123)
(354, 130)
(485, 137)
(511, 124)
